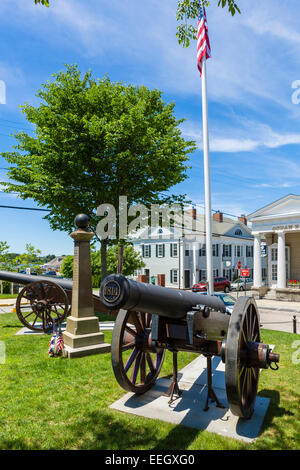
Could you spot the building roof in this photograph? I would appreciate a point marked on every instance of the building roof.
(288, 205)
(195, 228)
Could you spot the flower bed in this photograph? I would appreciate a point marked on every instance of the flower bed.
(293, 283)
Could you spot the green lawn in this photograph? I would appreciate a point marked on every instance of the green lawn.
(57, 403)
(8, 296)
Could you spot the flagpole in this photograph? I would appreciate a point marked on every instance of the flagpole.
(208, 221)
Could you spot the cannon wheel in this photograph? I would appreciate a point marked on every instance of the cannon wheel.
(136, 363)
(48, 304)
(240, 377)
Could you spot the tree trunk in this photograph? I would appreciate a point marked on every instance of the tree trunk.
(120, 258)
(103, 259)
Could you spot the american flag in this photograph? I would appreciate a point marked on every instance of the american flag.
(203, 45)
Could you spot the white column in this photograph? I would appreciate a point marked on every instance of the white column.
(194, 263)
(257, 277)
(281, 269)
(181, 269)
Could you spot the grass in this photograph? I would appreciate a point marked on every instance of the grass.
(57, 403)
(8, 296)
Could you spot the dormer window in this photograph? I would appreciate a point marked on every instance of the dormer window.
(238, 232)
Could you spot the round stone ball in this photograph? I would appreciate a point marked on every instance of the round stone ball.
(82, 221)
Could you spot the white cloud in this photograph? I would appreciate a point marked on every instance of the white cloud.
(247, 137)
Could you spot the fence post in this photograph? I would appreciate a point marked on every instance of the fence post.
(295, 324)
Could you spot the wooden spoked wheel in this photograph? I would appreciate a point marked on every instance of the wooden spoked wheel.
(136, 362)
(45, 303)
(240, 376)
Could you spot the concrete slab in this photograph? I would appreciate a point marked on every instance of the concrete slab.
(104, 326)
(188, 409)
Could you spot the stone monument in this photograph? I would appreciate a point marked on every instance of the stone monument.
(82, 336)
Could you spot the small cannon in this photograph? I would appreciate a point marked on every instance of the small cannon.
(47, 300)
(155, 318)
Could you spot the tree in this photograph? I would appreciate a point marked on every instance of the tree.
(67, 267)
(4, 256)
(187, 10)
(96, 140)
(42, 2)
(29, 259)
(132, 261)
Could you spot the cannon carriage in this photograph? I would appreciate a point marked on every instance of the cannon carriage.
(153, 319)
(44, 300)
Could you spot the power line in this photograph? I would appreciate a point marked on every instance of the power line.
(25, 208)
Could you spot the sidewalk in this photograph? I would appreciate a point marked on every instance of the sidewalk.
(268, 304)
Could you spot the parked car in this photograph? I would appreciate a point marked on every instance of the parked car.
(50, 273)
(239, 284)
(220, 284)
(228, 300)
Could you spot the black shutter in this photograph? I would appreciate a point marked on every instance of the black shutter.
(149, 251)
(163, 250)
(171, 249)
(143, 251)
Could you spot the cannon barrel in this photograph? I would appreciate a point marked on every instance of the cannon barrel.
(117, 292)
(19, 278)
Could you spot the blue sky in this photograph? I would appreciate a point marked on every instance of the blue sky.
(254, 125)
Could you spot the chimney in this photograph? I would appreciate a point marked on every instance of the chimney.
(218, 216)
(193, 213)
(243, 219)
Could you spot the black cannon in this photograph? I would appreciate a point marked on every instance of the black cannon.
(44, 300)
(155, 318)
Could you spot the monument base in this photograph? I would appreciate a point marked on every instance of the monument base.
(86, 350)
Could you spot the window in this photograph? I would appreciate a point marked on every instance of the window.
(215, 272)
(160, 250)
(202, 275)
(274, 256)
(174, 276)
(173, 250)
(215, 250)
(238, 250)
(238, 232)
(249, 251)
(187, 252)
(146, 251)
(227, 251)
(202, 250)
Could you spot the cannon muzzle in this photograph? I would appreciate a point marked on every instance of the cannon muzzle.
(117, 292)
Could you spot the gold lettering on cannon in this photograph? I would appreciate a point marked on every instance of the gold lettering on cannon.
(111, 291)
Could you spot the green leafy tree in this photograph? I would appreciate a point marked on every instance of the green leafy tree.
(96, 140)
(4, 256)
(29, 259)
(132, 261)
(42, 2)
(67, 267)
(188, 10)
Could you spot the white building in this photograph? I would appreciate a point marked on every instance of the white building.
(182, 259)
(278, 224)
(54, 265)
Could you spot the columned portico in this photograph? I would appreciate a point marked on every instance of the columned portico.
(281, 263)
(278, 224)
(257, 275)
